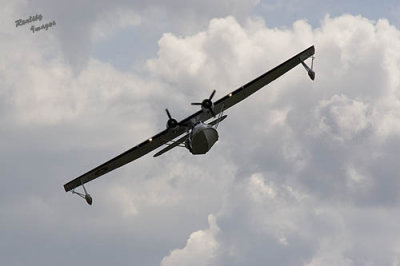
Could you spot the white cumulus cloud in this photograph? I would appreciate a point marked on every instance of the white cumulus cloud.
(303, 173)
(200, 248)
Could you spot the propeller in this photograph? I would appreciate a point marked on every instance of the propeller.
(171, 123)
(207, 104)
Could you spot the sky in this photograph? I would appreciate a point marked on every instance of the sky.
(304, 172)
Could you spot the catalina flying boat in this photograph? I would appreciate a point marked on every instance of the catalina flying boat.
(198, 135)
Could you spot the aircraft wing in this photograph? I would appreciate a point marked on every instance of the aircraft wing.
(248, 89)
(126, 157)
(256, 84)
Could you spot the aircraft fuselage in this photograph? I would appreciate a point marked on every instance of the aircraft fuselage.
(201, 139)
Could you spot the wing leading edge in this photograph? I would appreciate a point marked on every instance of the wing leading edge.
(124, 158)
(256, 84)
(248, 89)
(167, 135)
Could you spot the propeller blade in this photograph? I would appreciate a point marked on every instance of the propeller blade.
(196, 103)
(169, 115)
(212, 95)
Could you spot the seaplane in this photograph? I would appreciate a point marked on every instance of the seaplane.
(194, 132)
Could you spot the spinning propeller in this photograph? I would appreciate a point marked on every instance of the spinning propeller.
(207, 105)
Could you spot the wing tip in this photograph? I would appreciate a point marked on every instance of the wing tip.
(66, 188)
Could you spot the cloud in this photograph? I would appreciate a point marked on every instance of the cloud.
(303, 173)
(200, 248)
(324, 142)
(81, 24)
(342, 117)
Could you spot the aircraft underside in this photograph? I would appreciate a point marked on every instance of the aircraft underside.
(201, 139)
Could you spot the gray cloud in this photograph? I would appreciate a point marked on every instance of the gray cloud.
(322, 142)
(304, 173)
(79, 23)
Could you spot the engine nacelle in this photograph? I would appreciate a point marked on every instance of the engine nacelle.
(172, 124)
(207, 106)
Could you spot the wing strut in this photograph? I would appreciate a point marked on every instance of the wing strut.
(219, 119)
(173, 145)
